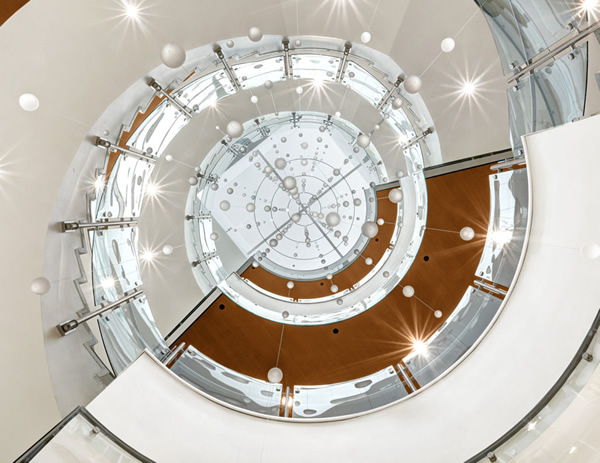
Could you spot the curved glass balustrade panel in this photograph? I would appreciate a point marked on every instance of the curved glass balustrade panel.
(115, 266)
(127, 331)
(455, 337)
(524, 28)
(579, 390)
(348, 398)
(123, 194)
(553, 95)
(507, 227)
(227, 385)
(80, 437)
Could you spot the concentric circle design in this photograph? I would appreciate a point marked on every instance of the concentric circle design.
(299, 200)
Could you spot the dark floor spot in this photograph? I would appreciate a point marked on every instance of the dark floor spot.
(336, 331)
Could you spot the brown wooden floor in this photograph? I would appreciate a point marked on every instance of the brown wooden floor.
(443, 268)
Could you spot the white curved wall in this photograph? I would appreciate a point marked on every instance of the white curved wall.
(547, 314)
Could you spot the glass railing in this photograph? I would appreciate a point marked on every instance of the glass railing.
(226, 385)
(507, 227)
(571, 390)
(81, 437)
(525, 30)
(348, 398)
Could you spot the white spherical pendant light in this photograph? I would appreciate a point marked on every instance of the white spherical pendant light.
(408, 291)
(397, 103)
(40, 286)
(413, 84)
(467, 233)
(173, 55)
(365, 37)
(370, 229)
(590, 250)
(333, 219)
(275, 375)
(363, 140)
(448, 45)
(193, 181)
(395, 195)
(255, 34)
(234, 129)
(29, 102)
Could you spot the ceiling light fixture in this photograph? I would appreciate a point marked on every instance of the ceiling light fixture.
(419, 347)
(148, 255)
(131, 11)
(108, 283)
(501, 237)
(589, 5)
(152, 189)
(469, 89)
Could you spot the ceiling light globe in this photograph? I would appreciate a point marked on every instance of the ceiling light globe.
(230, 43)
(437, 314)
(467, 233)
(333, 219)
(280, 163)
(448, 45)
(408, 291)
(40, 286)
(363, 140)
(397, 103)
(167, 249)
(299, 90)
(334, 288)
(289, 183)
(254, 99)
(255, 34)
(275, 375)
(296, 217)
(395, 195)
(214, 236)
(369, 261)
(225, 205)
(268, 84)
(365, 37)
(193, 181)
(590, 250)
(234, 129)
(413, 84)
(370, 229)
(290, 284)
(172, 55)
(29, 102)
(168, 158)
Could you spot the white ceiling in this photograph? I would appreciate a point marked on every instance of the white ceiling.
(77, 57)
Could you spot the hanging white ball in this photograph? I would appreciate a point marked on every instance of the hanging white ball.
(380, 222)
(369, 261)
(329, 276)
(290, 284)
(255, 264)
(280, 163)
(275, 375)
(254, 99)
(297, 43)
(413, 84)
(338, 114)
(365, 37)
(273, 242)
(40, 286)
(230, 43)
(408, 291)
(333, 219)
(299, 90)
(448, 45)
(173, 55)
(467, 233)
(334, 288)
(167, 249)
(268, 84)
(255, 34)
(400, 174)
(234, 129)
(29, 102)
(214, 236)
(590, 250)
(370, 229)
(168, 158)
(437, 314)
(193, 181)
(363, 140)
(250, 207)
(225, 205)
(397, 103)
(289, 183)
(395, 195)
(296, 217)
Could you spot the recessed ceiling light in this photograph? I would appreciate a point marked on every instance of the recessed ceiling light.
(419, 347)
(469, 89)
(131, 10)
(589, 5)
(152, 189)
(147, 255)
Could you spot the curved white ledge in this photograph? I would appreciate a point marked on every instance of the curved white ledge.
(548, 312)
